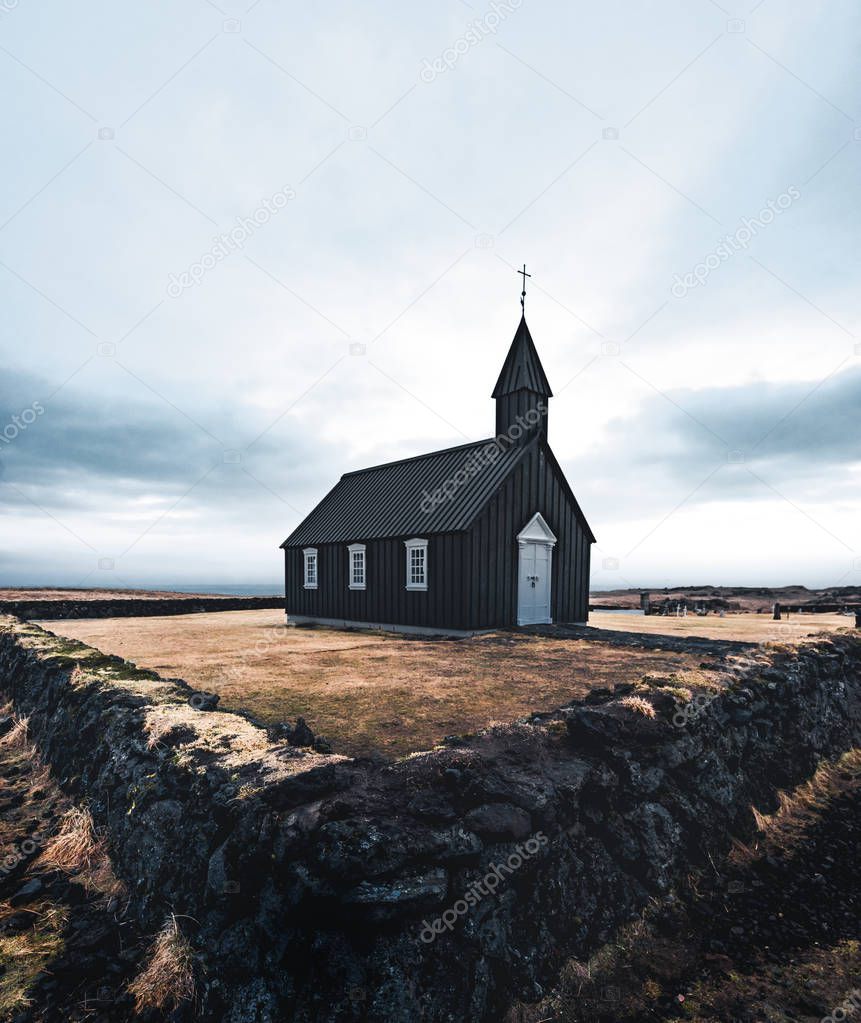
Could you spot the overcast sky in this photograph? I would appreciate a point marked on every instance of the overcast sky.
(682, 179)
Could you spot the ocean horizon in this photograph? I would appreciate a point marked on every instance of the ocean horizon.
(228, 589)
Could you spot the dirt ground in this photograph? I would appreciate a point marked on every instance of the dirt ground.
(750, 628)
(371, 692)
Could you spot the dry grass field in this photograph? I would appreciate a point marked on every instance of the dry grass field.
(745, 627)
(370, 692)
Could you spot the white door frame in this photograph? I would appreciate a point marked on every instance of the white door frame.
(535, 532)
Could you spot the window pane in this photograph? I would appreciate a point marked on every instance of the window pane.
(417, 566)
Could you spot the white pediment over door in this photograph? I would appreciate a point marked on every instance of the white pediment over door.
(536, 530)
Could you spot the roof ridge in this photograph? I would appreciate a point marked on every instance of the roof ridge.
(418, 458)
(566, 486)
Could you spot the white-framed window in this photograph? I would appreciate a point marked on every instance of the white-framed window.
(417, 564)
(310, 554)
(356, 562)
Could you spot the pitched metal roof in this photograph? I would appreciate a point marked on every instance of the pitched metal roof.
(404, 498)
(522, 367)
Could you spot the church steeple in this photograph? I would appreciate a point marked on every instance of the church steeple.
(522, 390)
(522, 367)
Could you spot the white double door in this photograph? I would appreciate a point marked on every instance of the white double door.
(533, 587)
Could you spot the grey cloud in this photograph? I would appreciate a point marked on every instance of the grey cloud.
(84, 449)
(93, 438)
(809, 422)
(800, 438)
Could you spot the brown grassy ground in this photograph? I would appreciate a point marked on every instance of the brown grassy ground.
(750, 628)
(371, 692)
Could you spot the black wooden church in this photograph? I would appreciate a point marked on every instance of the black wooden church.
(474, 537)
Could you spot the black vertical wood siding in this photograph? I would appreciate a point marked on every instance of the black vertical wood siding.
(385, 600)
(519, 404)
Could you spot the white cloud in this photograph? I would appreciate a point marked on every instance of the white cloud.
(381, 240)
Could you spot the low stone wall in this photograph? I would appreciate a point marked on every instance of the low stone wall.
(132, 607)
(439, 888)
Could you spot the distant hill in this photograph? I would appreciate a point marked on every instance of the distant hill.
(729, 598)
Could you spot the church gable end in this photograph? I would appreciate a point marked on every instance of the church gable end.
(536, 485)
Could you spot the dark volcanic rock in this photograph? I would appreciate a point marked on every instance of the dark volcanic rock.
(499, 822)
(119, 607)
(26, 892)
(301, 734)
(281, 732)
(425, 889)
(204, 701)
(310, 877)
(597, 727)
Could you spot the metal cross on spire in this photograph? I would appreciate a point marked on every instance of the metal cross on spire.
(524, 275)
